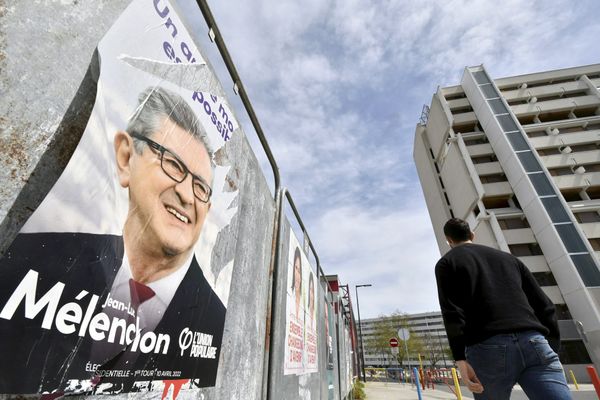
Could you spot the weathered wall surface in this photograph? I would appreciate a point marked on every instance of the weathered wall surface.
(47, 91)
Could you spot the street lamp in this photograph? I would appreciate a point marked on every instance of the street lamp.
(362, 349)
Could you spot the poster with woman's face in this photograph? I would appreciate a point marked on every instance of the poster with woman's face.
(301, 327)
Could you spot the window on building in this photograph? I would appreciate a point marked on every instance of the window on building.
(542, 184)
(495, 202)
(592, 167)
(514, 202)
(513, 223)
(529, 162)
(584, 147)
(571, 238)
(590, 127)
(587, 217)
(464, 128)
(488, 91)
(525, 249)
(595, 244)
(561, 95)
(544, 278)
(585, 112)
(571, 129)
(560, 171)
(484, 159)
(455, 96)
(593, 192)
(555, 81)
(536, 134)
(526, 119)
(555, 209)
(493, 178)
(572, 194)
(471, 142)
(587, 269)
(573, 352)
(461, 109)
(549, 151)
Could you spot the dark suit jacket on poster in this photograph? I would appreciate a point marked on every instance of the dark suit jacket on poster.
(34, 359)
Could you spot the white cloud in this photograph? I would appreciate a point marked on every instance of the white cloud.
(390, 248)
(338, 88)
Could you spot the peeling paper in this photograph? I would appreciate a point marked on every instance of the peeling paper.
(75, 237)
(194, 77)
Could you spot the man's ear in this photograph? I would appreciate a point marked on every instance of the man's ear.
(123, 152)
(471, 236)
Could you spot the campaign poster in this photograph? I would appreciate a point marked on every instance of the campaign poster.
(119, 280)
(301, 328)
(329, 328)
(349, 357)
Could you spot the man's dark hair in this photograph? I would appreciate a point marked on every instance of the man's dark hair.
(156, 103)
(457, 230)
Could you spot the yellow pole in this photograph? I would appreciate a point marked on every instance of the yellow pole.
(420, 362)
(456, 385)
(573, 378)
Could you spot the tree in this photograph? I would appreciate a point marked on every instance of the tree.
(385, 329)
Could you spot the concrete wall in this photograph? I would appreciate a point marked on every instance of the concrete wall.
(47, 81)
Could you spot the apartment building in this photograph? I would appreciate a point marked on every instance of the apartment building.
(428, 327)
(519, 159)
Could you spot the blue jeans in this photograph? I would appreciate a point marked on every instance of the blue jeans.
(525, 358)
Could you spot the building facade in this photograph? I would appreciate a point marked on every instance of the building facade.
(427, 327)
(519, 159)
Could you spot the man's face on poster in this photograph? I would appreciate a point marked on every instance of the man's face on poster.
(166, 214)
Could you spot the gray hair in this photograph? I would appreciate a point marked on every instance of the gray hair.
(155, 103)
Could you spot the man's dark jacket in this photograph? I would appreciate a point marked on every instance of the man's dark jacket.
(36, 359)
(484, 292)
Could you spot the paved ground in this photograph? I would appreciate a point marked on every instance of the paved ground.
(400, 391)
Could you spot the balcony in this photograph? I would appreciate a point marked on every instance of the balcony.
(568, 139)
(497, 189)
(535, 263)
(519, 236)
(488, 168)
(483, 149)
(565, 104)
(591, 230)
(577, 181)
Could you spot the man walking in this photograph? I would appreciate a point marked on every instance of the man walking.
(501, 326)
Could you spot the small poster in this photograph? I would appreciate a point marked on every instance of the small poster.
(301, 340)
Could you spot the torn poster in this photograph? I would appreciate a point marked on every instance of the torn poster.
(118, 281)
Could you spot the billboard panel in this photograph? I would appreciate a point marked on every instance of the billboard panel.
(301, 343)
(117, 282)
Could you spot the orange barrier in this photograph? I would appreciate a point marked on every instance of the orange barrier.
(592, 372)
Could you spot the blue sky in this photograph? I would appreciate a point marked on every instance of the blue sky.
(339, 87)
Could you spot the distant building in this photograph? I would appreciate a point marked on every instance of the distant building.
(519, 159)
(428, 327)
